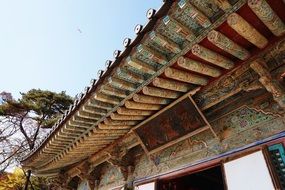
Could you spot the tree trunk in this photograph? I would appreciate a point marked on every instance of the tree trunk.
(27, 179)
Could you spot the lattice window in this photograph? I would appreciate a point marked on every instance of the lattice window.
(277, 154)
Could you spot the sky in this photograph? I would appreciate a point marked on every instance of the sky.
(59, 45)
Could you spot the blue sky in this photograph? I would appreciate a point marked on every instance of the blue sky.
(41, 47)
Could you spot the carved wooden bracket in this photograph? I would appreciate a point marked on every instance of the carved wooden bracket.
(120, 159)
(271, 85)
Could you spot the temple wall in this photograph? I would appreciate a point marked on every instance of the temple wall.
(236, 129)
(111, 177)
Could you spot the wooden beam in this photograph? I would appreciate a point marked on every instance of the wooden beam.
(116, 116)
(164, 42)
(73, 129)
(141, 66)
(198, 67)
(265, 13)
(104, 126)
(246, 30)
(150, 99)
(185, 76)
(93, 110)
(109, 121)
(179, 28)
(159, 92)
(152, 54)
(88, 115)
(171, 84)
(121, 84)
(195, 14)
(271, 85)
(105, 98)
(84, 120)
(108, 90)
(74, 123)
(126, 74)
(212, 57)
(99, 104)
(226, 44)
(110, 132)
(223, 4)
(140, 106)
(126, 111)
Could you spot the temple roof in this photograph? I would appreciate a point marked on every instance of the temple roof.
(185, 46)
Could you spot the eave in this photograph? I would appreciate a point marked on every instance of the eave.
(130, 91)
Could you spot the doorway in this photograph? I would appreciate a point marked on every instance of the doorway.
(210, 179)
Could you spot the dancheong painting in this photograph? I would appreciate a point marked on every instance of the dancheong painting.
(172, 124)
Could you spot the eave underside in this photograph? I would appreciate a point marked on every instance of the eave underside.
(178, 54)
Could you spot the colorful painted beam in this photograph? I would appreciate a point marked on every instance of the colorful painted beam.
(99, 104)
(198, 67)
(223, 4)
(271, 85)
(141, 106)
(123, 73)
(226, 44)
(151, 54)
(141, 66)
(109, 121)
(150, 99)
(116, 116)
(265, 13)
(121, 84)
(185, 76)
(194, 13)
(158, 92)
(104, 126)
(105, 98)
(170, 84)
(164, 42)
(246, 30)
(178, 28)
(106, 89)
(126, 111)
(212, 57)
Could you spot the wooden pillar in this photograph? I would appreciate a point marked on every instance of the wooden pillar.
(212, 57)
(198, 67)
(226, 44)
(264, 12)
(271, 85)
(246, 30)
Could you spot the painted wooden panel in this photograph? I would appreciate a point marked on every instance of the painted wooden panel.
(172, 124)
